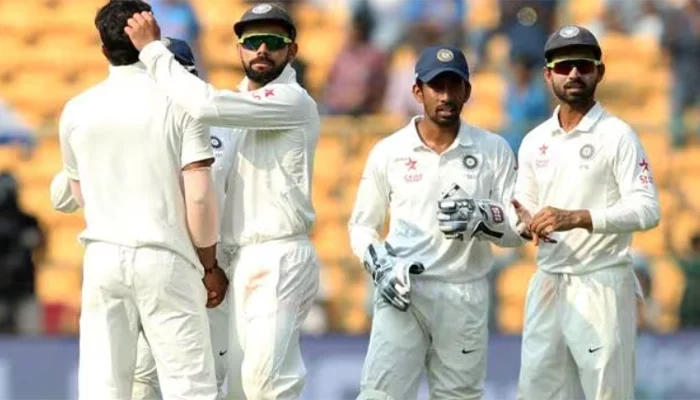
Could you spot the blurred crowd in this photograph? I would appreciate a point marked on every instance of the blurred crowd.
(361, 82)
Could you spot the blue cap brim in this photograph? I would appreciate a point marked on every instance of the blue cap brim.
(430, 75)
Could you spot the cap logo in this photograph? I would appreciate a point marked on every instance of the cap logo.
(261, 9)
(445, 55)
(568, 32)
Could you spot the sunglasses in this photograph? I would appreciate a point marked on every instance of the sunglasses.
(272, 42)
(582, 65)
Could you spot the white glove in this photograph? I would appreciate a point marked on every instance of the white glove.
(482, 219)
(391, 275)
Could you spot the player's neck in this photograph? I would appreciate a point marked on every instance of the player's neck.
(570, 115)
(252, 85)
(438, 138)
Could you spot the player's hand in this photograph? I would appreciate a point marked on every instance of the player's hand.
(459, 218)
(524, 219)
(216, 283)
(551, 219)
(391, 276)
(142, 29)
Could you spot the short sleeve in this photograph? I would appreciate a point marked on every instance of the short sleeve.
(196, 142)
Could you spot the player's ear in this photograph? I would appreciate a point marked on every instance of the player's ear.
(418, 92)
(547, 73)
(293, 50)
(601, 72)
(467, 91)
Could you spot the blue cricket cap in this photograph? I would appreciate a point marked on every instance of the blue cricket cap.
(438, 59)
(182, 52)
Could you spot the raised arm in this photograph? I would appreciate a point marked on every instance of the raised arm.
(273, 107)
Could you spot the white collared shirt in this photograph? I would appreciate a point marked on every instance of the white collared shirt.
(405, 177)
(600, 166)
(126, 143)
(278, 127)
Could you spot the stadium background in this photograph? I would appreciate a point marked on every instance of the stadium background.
(50, 52)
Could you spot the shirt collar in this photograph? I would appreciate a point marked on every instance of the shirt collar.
(288, 75)
(464, 136)
(585, 125)
(125, 70)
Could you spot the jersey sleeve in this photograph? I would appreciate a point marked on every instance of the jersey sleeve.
(66, 127)
(371, 204)
(273, 107)
(638, 207)
(526, 190)
(196, 142)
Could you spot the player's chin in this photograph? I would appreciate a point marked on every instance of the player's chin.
(447, 120)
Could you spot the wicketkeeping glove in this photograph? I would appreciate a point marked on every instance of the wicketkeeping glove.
(460, 218)
(391, 275)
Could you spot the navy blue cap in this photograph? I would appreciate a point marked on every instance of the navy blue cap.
(266, 13)
(438, 59)
(182, 52)
(571, 36)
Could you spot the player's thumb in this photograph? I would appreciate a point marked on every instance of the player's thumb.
(517, 205)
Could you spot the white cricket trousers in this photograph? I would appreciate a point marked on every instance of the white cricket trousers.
(579, 336)
(275, 284)
(152, 290)
(146, 385)
(445, 331)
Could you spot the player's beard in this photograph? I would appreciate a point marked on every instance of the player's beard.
(264, 77)
(446, 121)
(581, 98)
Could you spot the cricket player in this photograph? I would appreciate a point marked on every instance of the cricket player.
(268, 212)
(432, 296)
(587, 176)
(150, 243)
(146, 386)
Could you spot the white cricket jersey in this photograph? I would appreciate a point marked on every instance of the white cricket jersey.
(407, 178)
(278, 126)
(223, 142)
(600, 166)
(126, 143)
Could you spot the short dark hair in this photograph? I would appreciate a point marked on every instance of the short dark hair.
(110, 22)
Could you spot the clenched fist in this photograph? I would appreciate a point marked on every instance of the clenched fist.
(142, 28)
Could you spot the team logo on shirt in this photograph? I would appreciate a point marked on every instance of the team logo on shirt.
(470, 162)
(216, 142)
(586, 151)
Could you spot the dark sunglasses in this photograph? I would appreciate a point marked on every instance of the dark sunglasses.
(272, 42)
(582, 65)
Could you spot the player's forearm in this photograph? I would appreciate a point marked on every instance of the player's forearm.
(629, 215)
(202, 213)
